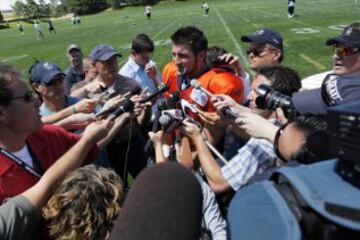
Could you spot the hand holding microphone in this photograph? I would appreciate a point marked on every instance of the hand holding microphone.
(225, 110)
(161, 89)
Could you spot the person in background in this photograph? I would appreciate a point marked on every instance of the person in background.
(75, 72)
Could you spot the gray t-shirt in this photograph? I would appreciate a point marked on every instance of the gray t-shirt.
(18, 219)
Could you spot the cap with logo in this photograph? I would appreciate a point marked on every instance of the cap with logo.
(103, 52)
(335, 90)
(44, 72)
(265, 36)
(350, 38)
(73, 47)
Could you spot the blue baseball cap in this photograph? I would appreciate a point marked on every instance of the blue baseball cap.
(44, 72)
(103, 52)
(335, 90)
(350, 37)
(265, 36)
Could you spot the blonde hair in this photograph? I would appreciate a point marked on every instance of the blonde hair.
(85, 204)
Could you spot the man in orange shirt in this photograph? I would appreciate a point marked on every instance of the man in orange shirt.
(189, 46)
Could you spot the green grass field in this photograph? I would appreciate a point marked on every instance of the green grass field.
(304, 35)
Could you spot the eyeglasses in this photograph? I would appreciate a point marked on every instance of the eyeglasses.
(257, 51)
(345, 51)
(28, 97)
(276, 141)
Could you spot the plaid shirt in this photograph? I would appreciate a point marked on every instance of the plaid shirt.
(256, 157)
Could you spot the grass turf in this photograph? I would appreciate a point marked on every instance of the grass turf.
(304, 35)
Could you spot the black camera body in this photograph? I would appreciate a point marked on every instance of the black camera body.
(270, 99)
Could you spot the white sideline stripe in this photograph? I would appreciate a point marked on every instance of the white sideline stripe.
(165, 28)
(14, 58)
(231, 35)
(297, 21)
(312, 61)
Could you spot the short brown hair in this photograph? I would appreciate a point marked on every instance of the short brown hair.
(8, 74)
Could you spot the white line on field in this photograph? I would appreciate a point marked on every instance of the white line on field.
(14, 58)
(312, 61)
(165, 28)
(231, 35)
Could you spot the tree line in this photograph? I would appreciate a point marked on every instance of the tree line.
(55, 8)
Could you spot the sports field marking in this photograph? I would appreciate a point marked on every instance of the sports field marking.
(14, 58)
(231, 35)
(165, 29)
(298, 21)
(313, 62)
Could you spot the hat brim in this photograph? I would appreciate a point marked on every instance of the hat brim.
(74, 48)
(309, 101)
(108, 55)
(258, 39)
(345, 40)
(48, 77)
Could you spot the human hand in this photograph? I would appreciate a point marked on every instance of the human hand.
(151, 71)
(86, 105)
(95, 86)
(114, 102)
(98, 130)
(233, 61)
(190, 129)
(221, 101)
(280, 116)
(156, 138)
(214, 119)
(256, 126)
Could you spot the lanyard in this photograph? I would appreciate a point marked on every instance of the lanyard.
(21, 163)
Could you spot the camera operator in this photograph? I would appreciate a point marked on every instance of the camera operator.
(258, 154)
(344, 85)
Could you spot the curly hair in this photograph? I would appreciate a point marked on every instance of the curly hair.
(85, 204)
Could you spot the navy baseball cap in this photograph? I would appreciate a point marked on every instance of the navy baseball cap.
(44, 72)
(103, 52)
(265, 36)
(335, 90)
(350, 38)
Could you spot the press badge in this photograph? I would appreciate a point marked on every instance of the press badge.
(199, 97)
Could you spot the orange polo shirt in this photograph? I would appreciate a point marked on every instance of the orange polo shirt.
(215, 80)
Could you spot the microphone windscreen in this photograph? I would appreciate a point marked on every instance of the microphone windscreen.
(165, 202)
(164, 120)
(195, 84)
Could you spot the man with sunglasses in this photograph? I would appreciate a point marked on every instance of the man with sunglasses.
(266, 48)
(343, 84)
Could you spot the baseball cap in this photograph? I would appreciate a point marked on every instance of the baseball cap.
(265, 36)
(350, 37)
(335, 90)
(73, 46)
(103, 52)
(44, 72)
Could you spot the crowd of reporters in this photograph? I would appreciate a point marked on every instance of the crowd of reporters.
(191, 137)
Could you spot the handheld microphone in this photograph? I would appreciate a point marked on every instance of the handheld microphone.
(229, 114)
(156, 126)
(161, 89)
(173, 100)
(105, 111)
(225, 111)
(127, 107)
(197, 85)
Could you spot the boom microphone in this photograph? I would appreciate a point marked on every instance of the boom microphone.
(127, 107)
(161, 89)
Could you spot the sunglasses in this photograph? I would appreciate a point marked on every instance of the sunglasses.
(257, 51)
(345, 51)
(27, 97)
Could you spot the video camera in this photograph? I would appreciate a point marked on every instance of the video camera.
(270, 99)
